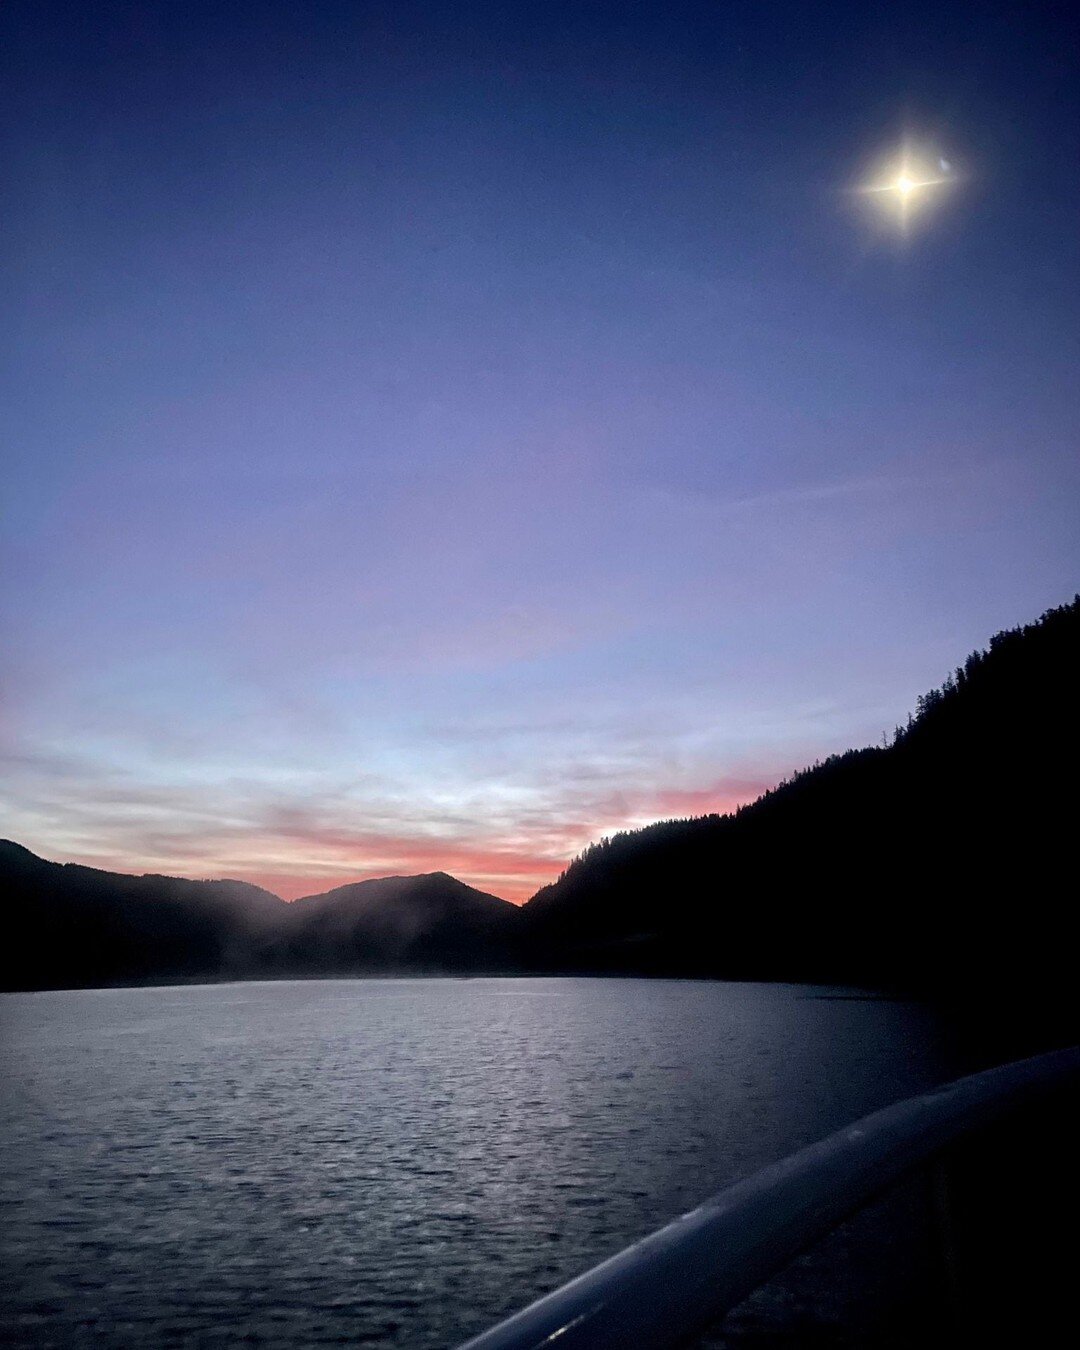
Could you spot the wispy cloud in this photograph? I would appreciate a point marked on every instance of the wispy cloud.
(508, 840)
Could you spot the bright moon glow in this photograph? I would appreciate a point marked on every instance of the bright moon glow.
(906, 183)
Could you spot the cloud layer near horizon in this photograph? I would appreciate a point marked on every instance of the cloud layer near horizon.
(508, 841)
(328, 714)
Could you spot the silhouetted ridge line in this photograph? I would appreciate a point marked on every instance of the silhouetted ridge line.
(428, 924)
(935, 861)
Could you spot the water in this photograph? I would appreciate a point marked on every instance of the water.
(400, 1162)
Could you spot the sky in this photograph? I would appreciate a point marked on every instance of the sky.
(440, 435)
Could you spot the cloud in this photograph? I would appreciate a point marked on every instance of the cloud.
(509, 838)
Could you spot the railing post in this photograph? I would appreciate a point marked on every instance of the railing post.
(944, 1224)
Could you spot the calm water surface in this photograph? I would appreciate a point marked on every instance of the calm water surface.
(393, 1162)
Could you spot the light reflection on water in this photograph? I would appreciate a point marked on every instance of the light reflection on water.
(392, 1162)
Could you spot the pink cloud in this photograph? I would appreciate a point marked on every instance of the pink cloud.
(507, 844)
(514, 867)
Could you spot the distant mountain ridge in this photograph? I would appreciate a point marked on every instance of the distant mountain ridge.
(426, 923)
(936, 859)
(70, 926)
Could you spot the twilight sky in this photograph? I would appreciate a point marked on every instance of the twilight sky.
(439, 434)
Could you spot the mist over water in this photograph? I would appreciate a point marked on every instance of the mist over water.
(394, 1162)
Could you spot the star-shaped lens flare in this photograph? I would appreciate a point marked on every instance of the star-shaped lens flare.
(906, 184)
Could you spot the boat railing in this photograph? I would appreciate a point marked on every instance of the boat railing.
(670, 1287)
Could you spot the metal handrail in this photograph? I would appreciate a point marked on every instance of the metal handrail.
(674, 1284)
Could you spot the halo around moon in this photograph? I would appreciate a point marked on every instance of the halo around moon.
(904, 185)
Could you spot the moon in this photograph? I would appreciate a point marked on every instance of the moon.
(905, 183)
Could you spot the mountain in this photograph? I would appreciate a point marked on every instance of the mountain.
(69, 926)
(74, 927)
(944, 857)
(428, 924)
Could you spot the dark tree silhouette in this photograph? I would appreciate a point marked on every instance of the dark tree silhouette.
(938, 857)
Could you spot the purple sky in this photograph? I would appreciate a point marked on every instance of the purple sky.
(440, 435)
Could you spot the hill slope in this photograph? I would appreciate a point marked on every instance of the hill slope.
(73, 927)
(937, 858)
(69, 926)
(427, 923)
